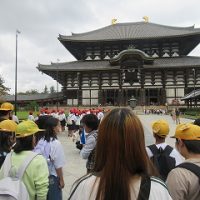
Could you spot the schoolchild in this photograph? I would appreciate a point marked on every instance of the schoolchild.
(35, 177)
(7, 138)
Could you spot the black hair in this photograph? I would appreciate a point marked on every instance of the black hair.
(192, 146)
(5, 141)
(4, 112)
(91, 121)
(24, 144)
(197, 122)
(41, 124)
(41, 121)
(50, 124)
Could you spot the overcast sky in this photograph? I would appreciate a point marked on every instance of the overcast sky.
(41, 21)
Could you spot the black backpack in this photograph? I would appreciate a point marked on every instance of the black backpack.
(191, 167)
(162, 161)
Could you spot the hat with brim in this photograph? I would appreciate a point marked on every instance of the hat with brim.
(187, 131)
(6, 106)
(27, 128)
(160, 128)
(8, 126)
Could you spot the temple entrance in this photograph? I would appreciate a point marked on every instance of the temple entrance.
(111, 97)
(153, 96)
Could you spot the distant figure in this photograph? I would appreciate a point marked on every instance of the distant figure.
(173, 115)
(177, 116)
(122, 169)
(15, 118)
(31, 117)
(183, 181)
(164, 157)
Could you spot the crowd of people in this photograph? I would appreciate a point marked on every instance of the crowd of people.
(119, 165)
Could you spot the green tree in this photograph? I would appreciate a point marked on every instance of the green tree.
(32, 106)
(45, 90)
(32, 91)
(52, 90)
(3, 89)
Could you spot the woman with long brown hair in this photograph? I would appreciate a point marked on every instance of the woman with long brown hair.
(123, 170)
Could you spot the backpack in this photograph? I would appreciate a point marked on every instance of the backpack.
(91, 158)
(162, 161)
(191, 167)
(12, 187)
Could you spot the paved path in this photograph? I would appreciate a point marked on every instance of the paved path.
(75, 167)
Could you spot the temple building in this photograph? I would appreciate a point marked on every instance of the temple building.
(143, 60)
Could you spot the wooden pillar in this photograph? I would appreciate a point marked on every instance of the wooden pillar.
(162, 96)
(142, 90)
(79, 91)
(120, 88)
(100, 92)
(142, 97)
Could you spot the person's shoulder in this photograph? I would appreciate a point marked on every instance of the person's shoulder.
(158, 182)
(83, 184)
(159, 190)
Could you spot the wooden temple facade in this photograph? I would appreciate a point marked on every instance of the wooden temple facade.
(145, 60)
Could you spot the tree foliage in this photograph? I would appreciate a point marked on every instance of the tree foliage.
(3, 89)
(32, 91)
(33, 105)
(52, 90)
(46, 91)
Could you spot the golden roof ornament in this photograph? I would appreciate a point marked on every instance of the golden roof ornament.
(114, 21)
(146, 19)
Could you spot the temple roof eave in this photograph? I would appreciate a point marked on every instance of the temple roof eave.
(127, 31)
(75, 66)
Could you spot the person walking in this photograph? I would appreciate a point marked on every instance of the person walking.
(177, 112)
(50, 147)
(90, 124)
(35, 177)
(122, 168)
(183, 181)
(164, 157)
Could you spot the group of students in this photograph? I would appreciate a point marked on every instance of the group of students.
(124, 168)
(35, 145)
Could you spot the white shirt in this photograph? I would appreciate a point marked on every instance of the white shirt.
(56, 153)
(86, 188)
(174, 154)
(15, 119)
(30, 117)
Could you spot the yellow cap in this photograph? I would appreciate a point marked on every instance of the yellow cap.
(160, 128)
(6, 106)
(187, 131)
(27, 128)
(8, 126)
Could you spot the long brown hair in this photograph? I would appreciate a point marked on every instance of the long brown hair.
(120, 154)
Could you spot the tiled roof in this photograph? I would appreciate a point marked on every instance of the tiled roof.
(191, 95)
(77, 66)
(187, 61)
(31, 97)
(137, 30)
